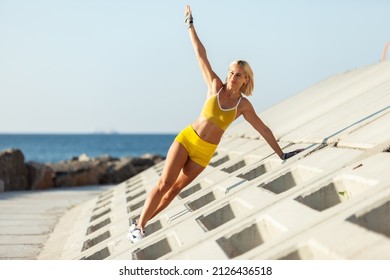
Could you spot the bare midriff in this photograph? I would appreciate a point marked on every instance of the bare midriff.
(207, 130)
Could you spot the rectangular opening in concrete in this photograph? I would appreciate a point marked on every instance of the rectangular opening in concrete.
(235, 167)
(92, 242)
(219, 161)
(100, 255)
(296, 176)
(376, 220)
(190, 190)
(156, 250)
(98, 226)
(136, 206)
(204, 200)
(152, 227)
(222, 215)
(100, 206)
(131, 197)
(260, 170)
(310, 251)
(104, 197)
(132, 185)
(250, 237)
(159, 169)
(341, 189)
(97, 216)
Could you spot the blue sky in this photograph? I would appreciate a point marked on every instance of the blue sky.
(81, 66)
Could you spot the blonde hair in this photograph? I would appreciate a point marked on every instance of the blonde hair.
(248, 87)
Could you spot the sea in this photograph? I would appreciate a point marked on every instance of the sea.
(51, 148)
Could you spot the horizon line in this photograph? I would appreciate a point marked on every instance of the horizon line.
(85, 133)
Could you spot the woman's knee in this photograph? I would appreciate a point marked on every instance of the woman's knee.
(169, 195)
(174, 191)
(164, 185)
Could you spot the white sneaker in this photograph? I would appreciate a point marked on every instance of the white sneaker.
(135, 233)
(132, 227)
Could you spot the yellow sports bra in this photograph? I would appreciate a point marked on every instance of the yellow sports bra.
(213, 112)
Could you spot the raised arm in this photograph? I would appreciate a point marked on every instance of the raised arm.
(212, 81)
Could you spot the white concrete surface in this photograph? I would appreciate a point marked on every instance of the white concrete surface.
(332, 201)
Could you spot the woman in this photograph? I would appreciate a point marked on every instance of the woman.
(194, 146)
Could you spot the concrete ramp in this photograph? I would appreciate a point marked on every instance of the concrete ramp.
(332, 201)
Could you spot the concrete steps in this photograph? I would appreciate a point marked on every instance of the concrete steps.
(332, 201)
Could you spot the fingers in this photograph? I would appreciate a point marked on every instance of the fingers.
(291, 154)
(188, 10)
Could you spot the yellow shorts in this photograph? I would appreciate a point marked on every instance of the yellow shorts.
(199, 150)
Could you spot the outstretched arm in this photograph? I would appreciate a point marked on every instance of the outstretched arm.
(212, 80)
(251, 116)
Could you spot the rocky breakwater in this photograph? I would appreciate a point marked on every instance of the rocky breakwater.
(16, 174)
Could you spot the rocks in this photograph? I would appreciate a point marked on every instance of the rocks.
(77, 173)
(40, 176)
(119, 171)
(13, 171)
(15, 174)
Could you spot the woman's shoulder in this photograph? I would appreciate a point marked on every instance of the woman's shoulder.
(245, 101)
(217, 85)
(215, 89)
(244, 104)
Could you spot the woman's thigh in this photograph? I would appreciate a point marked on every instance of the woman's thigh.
(176, 159)
(190, 171)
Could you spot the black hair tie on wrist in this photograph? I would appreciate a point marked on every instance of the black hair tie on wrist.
(189, 20)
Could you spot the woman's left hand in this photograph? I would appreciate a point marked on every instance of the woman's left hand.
(290, 154)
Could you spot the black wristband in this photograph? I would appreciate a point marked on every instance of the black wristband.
(189, 20)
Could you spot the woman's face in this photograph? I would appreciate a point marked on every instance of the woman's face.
(236, 77)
